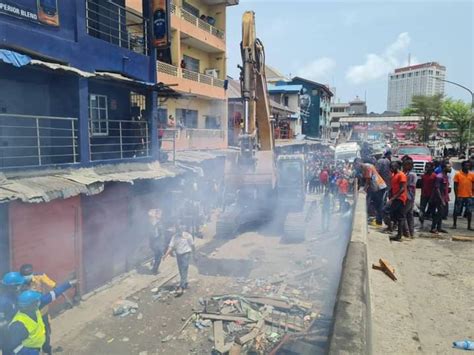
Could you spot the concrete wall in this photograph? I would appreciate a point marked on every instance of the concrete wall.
(351, 331)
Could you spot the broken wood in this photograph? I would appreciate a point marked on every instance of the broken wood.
(282, 325)
(270, 302)
(224, 317)
(377, 267)
(218, 335)
(462, 239)
(235, 349)
(190, 318)
(388, 269)
(252, 334)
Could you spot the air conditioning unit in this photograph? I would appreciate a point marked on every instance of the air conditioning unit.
(212, 72)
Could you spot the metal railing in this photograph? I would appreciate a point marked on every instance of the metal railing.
(116, 24)
(32, 141)
(125, 140)
(196, 21)
(189, 75)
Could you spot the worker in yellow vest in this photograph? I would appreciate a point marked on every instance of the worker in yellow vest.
(27, 331)
(42, 283)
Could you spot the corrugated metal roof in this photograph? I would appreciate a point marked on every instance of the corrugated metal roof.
(285, 88)
(72, 182)
(373, 119)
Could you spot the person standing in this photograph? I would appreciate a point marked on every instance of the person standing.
(398, 198)
(440, 199)
(324, 179)
(11, 286)
(427, 185)
(157, 238)
(42, 283)
(374, 186)
(411, 192)
(383, 168)
(182, 245)
(343, 191)
(463, 190)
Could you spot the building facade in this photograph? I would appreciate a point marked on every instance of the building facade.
(315, 108)
(288, 96)
(420, 79)
(195, 67)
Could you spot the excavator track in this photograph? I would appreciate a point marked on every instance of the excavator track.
(294, 228)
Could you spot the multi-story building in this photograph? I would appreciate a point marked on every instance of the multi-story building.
(289, 96)
(196, 68)
(315, 108)
(78, 89)
(338, 110)
(420, 79)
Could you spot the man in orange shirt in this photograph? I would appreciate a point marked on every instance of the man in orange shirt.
(398, 198)
(343, 189)
(463, 187)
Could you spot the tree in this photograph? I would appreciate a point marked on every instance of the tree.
(430, 108)
(458, 114)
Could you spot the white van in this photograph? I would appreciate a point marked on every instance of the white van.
(347, 151)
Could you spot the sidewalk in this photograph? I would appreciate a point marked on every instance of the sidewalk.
(69, 324)
(432, 303)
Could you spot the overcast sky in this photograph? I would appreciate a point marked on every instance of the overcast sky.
(353, 45)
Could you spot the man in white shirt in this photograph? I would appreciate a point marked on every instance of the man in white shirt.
(182, 245)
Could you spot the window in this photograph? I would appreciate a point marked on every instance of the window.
(417, 73)
(409, 75)
(191, 63)
(98, 115)
(287, 100)
(189, 118)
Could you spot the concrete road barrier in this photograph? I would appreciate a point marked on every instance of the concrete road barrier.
(351, 329)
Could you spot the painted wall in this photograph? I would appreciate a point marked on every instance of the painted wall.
(311, 124)
(69, 43)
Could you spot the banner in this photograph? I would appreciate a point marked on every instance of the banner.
(46, 11)
(161, 23)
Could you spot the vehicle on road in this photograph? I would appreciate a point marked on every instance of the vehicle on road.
(420, 154)
(347, 151)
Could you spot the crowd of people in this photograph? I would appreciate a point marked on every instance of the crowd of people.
(391, 188)
(24, 318)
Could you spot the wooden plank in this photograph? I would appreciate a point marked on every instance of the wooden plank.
(235, 349)
(462, 239)
(377, 267)
(186, 323)
(223, 317)
(252, 334)
(269, 301)
(283, 325)
(388, 269)
(218, 335)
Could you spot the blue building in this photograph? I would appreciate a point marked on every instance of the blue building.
(315, 107)
(77, 83)
(289, 96)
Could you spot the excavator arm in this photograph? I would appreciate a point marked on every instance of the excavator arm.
(257, 131)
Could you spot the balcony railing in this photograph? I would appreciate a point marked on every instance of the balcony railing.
(196, 21)
(32, 141)
(189, 75)
(125, 139)
(193, 138)
(115, 24)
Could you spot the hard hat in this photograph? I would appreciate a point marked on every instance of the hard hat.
(13, 279)
(28, 298)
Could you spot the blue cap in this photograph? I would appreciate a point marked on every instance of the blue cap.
(13, 279)
(28, 298)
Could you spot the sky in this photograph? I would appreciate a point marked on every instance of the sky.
(353, 45)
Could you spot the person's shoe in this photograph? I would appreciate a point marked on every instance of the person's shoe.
(443, 231)
(434, 231)
(396, 239)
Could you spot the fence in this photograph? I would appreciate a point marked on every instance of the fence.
(196, 21)
(115, 24)
(125, 139)
(32, 141)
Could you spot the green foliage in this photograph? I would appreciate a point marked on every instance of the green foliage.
(430, 108)
(458, 114)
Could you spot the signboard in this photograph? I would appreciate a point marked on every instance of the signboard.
(161, 23)
(46, 11)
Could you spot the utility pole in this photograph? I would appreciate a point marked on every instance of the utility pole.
(472, 110)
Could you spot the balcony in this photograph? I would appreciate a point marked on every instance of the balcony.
(191, 82)
(117, 25)
(121, 139)
(193, 138)
(197, 32)
(36, 141)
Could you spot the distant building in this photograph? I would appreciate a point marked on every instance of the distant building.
(289, 96)
(273, 75)
(355, 107)
(418, 79)
(315, 107)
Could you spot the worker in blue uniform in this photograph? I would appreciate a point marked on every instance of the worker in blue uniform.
(27, 332)
(11, 286)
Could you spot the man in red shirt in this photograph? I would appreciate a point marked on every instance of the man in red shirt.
(324, 178)
(398, 198)
(427, 185)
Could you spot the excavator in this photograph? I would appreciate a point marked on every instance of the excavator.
(263, 187)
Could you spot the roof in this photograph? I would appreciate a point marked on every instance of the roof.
(273, 74)
(369, 119)
(314, 83)
(285, 88)
(65, 183)
(420, 66)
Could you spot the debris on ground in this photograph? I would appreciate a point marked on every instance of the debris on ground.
(462, 239)
(123, 308)
(255, 322)
(386, 268)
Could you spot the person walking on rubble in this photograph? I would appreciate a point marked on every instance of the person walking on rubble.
(157, 238)
(182, 245)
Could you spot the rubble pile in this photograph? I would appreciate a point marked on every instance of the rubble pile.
(253, 321)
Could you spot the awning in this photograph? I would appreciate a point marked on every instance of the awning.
(67, 183)
(20, 60)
